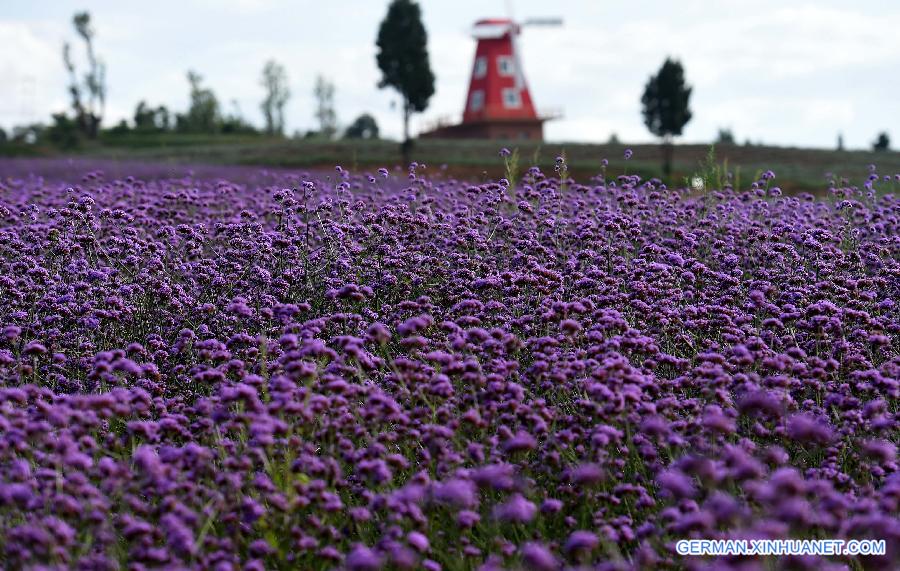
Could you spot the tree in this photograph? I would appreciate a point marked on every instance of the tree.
(364, 127)
(3, 136)
(235, 123)
(403, 60)
(666, 104)
(28, 134)
(143, 117)
(203, 115)
(274, 80)
(325, 114)
(121, 128)
(147, 118)
(882, 143)
(88, 94)
(725, 137)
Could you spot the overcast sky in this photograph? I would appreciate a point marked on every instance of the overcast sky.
(780, 72)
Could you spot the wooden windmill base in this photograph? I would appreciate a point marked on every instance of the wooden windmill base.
(509, 129)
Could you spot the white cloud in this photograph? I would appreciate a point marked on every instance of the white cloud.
(32, 79)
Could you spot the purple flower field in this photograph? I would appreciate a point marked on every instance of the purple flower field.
(384, 370)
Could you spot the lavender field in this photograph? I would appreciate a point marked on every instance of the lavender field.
(235, 369)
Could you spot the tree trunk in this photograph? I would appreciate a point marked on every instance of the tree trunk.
(668, 151)
(406, 145)
(93, 126)
(405, 119)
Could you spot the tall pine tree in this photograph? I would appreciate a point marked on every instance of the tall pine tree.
(666, 104)
(403, 60)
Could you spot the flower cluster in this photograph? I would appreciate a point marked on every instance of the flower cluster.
(367, 371)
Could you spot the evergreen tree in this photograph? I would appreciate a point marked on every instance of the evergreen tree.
(666, 109)
(403, 60)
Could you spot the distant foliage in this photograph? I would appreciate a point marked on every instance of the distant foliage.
(882, 143)
(725, 137)
(203, 116)
(364, 127)
(235, 124)
(325, 113)
(403, 58)
(121, 128)
(274, 81)
(148, 119)
(63, 132)
(28, 134)
(88, 92)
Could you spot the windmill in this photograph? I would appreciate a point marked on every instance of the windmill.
(498, 102)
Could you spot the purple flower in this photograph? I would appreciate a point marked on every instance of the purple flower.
(587, 475)
(580, 542)
(147, 460)
(520, 442)
(806, 428)
(178, 535)
(517, 509)
(538, 558)
(496, 476)
(361, 558)
(551, 506)
(880, 450)
(456, 493)
(418, 541)
(467, 518)
(33, 348)
(189, 357)
(676, 483)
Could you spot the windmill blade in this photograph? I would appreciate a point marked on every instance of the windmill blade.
(514, 31)
(543, 22)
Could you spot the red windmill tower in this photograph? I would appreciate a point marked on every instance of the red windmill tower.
(498, 102)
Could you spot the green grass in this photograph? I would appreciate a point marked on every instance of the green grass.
(796, 169)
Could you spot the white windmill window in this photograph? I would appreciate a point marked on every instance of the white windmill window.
(476, 100)
(506, 66)
(511, 98)
(480, 67)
